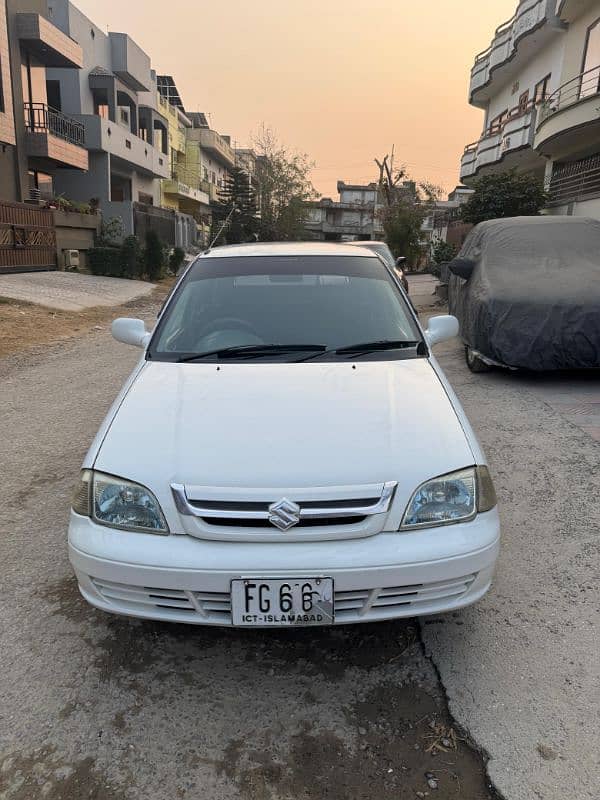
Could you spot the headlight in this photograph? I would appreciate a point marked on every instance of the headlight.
(451, 498)
(118, 503)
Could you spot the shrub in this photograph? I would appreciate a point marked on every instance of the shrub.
(105, 261)
(131, 258)
(176, 260)
(154, 257)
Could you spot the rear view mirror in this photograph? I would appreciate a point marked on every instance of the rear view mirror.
(463, 267)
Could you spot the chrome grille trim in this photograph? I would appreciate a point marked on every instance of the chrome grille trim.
(346, 508)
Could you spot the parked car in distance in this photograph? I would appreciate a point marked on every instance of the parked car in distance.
(526, 291)
(286, 452)
(382, 249)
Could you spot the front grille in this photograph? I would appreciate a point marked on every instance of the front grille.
(240, 522)
(261, 514)
(361, 605)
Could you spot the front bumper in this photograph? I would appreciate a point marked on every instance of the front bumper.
(387, 576)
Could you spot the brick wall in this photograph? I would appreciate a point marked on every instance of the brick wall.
(7, 123)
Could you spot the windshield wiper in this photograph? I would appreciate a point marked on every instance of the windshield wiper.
(254, 351)
(365, 348)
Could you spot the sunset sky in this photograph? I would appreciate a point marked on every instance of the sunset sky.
(341, 80)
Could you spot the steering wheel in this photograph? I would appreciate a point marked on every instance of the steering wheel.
(227, 324)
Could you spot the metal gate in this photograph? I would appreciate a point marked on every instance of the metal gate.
(27, 238)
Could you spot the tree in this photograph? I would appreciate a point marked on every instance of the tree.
(405, 205)
(284, 187)
(234, 214)
(506, 194)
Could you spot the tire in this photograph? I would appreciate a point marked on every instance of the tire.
(474, 363)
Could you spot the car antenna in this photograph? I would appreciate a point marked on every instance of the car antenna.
(221, 229)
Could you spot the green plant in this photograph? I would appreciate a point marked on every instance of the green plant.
(154, 256)
(105, 261)
(442, 251)
(507, 194)
(176, 260)
(111, 232)
(131, 258)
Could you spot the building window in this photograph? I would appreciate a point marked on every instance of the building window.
(541, 90)
(524, 102)
(213, 177)
(590, 80)
(205, 174)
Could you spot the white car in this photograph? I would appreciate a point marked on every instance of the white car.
(286, 452)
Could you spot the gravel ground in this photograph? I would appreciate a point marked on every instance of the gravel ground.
(107, 708)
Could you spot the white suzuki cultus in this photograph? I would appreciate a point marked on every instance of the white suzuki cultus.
(286, 452)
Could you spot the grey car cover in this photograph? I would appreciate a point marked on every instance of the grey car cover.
(533, 297)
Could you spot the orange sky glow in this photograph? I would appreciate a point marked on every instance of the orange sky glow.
(341, 81)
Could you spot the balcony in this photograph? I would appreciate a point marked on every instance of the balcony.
(511, 47)
(53, 137)
(47, 43)
(179, 188)
(129, 62)
(216, 145)
(568, 121)
(103, 135)
(503, 147)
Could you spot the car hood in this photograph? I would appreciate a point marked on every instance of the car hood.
(284, 425)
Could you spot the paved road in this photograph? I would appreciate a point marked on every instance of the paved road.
(70, 291)
(99, 707)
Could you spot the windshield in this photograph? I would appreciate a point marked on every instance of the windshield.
(317, 303)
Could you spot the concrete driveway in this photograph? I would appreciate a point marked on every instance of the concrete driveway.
(70, 291)
(109, 708)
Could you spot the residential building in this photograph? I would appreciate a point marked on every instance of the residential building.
(444, 222)
(37, 141)
(114, 98)
(184, 191)
(538, 84)
(352, 217)
(216, 153)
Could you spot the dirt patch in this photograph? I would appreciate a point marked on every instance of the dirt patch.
(65, 599)
(25, 325)
(44, 774)
(406, 747)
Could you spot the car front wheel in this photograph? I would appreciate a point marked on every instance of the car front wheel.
(474, 363)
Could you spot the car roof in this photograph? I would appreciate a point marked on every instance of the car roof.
(283, 249)
(367, 243)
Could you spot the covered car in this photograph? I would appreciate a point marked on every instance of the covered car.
(526, 291)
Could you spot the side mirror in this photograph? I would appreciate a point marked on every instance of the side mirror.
(441, 328)
(130, 331)
(401, 261)
(463, 267)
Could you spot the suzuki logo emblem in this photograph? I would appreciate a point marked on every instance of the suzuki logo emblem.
(284, 514)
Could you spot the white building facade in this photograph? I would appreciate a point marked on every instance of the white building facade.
(538, 84)
(354, 216)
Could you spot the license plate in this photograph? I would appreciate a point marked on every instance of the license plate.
(285, 602)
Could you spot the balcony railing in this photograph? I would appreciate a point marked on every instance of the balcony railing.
(529, 16)
(40, 118)
(585, 85)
